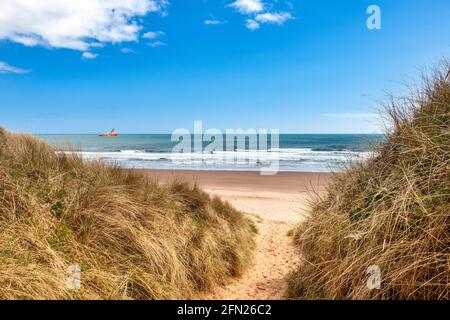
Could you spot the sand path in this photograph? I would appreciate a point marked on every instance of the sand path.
(275, 256)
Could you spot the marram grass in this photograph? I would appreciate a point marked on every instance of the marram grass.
(132, 238)
(392, 212)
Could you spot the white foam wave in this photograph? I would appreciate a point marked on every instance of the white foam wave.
(290, 159)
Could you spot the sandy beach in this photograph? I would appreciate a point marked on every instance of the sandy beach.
(276, 203)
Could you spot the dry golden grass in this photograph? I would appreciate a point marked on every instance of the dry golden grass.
(393, 211)
(132, 238)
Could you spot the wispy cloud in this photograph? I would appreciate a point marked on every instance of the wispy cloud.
(153, 35)
(273, 18)
(156, 44)
(258, 13)
(78, 25)
(6, 68)
(252, 24)
(267, 18)
(351, 115)
(247, 6)
(89, 55)
(213, 22)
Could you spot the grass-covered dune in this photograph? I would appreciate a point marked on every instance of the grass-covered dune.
(132, 238)
(392, 212)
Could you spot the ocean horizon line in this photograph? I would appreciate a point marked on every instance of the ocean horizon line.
(281, 133)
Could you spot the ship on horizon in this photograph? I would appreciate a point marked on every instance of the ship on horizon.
(112, 133)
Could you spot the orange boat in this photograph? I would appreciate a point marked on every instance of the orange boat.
(113, 133)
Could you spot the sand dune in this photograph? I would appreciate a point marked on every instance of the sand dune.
(276, 204)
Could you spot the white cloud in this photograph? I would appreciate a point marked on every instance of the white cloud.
(247, 6)
(6, 68)
(351, 115)
(73, 24)
(273, 18)
(258, 13)
(252, 24)
(213, 22)
(89, 55)
(156, 44)
(153, 34)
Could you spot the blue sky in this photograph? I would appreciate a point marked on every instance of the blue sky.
(307, 66)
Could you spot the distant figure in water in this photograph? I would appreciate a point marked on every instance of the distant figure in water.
(113, 133)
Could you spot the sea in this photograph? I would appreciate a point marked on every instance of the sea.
(292, 153)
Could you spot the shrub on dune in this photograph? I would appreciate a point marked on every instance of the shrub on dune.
(392, 212)
(132, 238)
